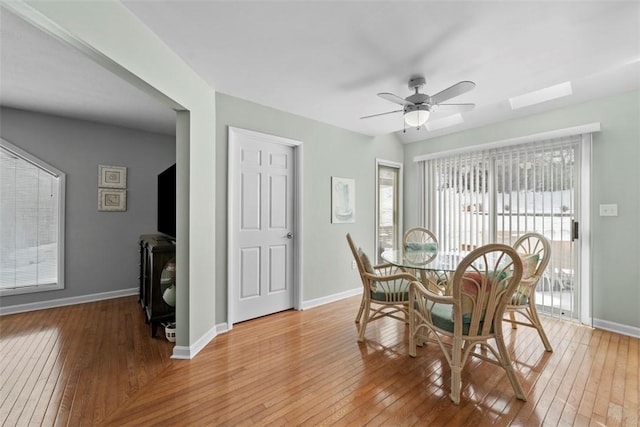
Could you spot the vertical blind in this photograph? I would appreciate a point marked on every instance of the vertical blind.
(478, 197)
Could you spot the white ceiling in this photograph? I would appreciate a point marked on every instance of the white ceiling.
(327, 60)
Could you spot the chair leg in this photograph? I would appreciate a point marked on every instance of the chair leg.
(538, 325)
(512, 315)
(366, 310)
(412, 333)
(505, 362)
(456, 370)
(359, 315)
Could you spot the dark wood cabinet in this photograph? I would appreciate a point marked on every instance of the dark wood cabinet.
(157, 276)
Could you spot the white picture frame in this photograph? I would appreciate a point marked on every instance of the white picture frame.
(343, 200)
(112, 176)
(112, 200)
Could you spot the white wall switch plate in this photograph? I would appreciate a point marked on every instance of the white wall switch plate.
(608, 210)
(353, 265)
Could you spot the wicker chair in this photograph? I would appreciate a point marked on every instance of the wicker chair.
(420, 239)
(535, 251)
(385, 293)
(482, 287)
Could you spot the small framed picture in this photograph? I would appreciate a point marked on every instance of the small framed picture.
(112, 200)
(112, 176)
(343, 200)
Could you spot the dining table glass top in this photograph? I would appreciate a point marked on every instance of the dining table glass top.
(424, 260)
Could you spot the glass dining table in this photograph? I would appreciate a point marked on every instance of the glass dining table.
(432, 268)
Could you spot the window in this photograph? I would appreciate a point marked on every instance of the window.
(388, 212)
(31, 223)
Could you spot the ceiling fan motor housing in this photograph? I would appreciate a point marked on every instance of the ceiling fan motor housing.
(416, 82)
(417, 107)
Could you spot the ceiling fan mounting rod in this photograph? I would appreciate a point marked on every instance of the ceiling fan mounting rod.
(416, 82)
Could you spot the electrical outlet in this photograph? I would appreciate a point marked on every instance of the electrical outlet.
(353, 264)
(608, 210)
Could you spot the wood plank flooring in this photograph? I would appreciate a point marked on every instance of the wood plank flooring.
(75, 365)
(95, 364)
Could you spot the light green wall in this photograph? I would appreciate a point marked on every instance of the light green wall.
(615, 179)
(110, 34)
(328, 151)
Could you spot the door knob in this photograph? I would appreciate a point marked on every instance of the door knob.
(289, 235)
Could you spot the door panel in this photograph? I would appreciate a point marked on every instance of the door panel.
(249, 272)
(278, 202)
(277, 269)
(250, 201)
(544, 200)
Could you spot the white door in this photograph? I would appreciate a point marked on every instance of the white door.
(262, 234)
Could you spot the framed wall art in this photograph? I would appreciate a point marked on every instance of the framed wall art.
(112, 176)
(112, 200)
(343, 200)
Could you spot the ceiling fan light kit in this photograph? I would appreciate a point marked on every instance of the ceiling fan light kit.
(417, 107)
(416, 115)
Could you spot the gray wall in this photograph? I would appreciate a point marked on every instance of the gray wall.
(328, 151)
(615, 179)
(101, 253)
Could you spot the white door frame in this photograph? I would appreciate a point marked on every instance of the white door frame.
(584, 240)
(233, 187)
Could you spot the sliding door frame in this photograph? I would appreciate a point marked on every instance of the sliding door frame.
(583, 204)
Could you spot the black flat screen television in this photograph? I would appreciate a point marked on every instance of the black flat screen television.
(167, 202)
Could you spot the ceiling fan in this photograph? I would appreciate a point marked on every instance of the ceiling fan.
(417, 107)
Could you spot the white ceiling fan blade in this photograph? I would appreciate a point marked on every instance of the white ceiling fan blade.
(458, 108)
(452, 91)
(393, 98)
(381, 114)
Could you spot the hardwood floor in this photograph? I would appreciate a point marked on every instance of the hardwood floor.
(95, 364)
(74, 365)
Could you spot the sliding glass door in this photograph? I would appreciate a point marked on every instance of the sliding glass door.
(475, 198)
(536, 190)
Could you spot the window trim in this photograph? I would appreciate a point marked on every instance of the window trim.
(61, 221)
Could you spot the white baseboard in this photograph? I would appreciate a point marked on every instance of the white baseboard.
(187, 353)
(330, 298)
(222, 328)
(181, 352)
(631, 331)
(61, 302)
